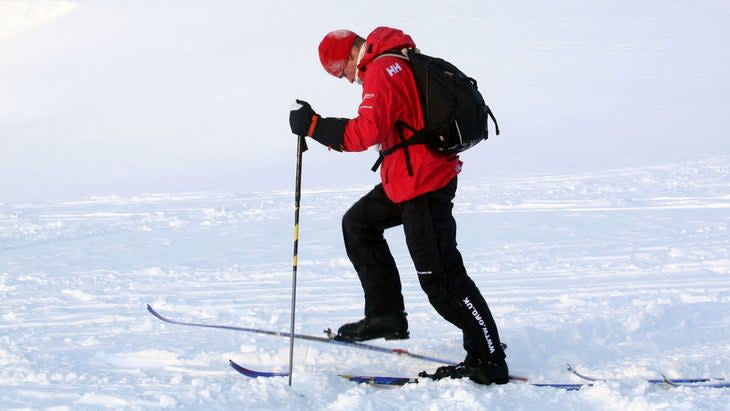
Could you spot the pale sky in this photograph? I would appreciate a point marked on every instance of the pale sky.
(19, 17)
(129, 97)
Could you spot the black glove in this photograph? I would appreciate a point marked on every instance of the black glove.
(329, 132)
(300, 118)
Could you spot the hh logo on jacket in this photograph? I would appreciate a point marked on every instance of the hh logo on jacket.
(392, 70)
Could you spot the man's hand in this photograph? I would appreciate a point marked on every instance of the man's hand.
(327, 131)
(302, 119)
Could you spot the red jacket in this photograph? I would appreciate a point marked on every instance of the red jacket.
(389, 94)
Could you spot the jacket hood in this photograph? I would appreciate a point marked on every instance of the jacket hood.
(383, 39)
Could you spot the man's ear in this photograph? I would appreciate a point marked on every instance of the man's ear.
(360, 55)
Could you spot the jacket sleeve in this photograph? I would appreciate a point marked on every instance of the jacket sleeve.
(376, 115)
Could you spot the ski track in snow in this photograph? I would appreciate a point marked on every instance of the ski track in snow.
(623, 273)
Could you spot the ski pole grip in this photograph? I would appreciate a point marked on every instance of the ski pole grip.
(302, 141)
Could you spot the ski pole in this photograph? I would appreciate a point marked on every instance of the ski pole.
(301, 147)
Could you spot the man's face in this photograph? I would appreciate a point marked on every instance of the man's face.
(351, 66)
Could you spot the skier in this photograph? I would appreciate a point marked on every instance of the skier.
(416, 190)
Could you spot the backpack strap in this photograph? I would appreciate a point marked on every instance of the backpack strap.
(494, 120)
(418, 137)
(402, 54)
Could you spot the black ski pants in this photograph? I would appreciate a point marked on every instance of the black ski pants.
(430, 231)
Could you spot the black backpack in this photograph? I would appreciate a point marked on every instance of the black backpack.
(454, 112)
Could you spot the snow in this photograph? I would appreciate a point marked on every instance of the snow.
(624, 273)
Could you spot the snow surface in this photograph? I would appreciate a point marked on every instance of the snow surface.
(625, 273)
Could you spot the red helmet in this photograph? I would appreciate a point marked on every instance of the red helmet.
(334, 51)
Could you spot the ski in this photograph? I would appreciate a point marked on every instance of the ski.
(664, 380)
(400, 381)
(255, 374)
(377, 380)
(710, 383)
(383, 381)
(330, 338)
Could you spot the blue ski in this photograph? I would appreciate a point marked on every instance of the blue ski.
(255, 374)
(376, 380)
